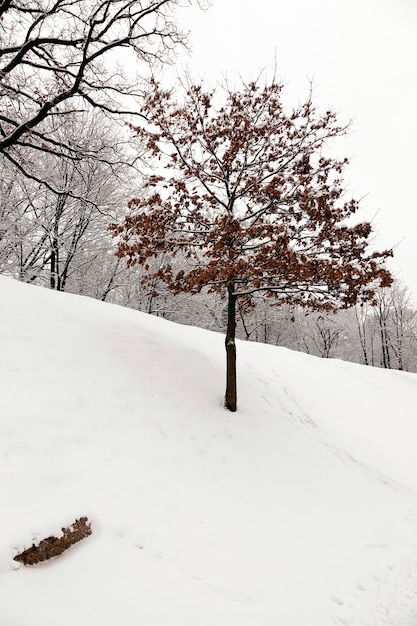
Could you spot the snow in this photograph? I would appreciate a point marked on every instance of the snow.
(300, 509)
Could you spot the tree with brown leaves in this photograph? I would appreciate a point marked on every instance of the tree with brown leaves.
(243, 191)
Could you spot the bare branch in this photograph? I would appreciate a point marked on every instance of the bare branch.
(55, 52)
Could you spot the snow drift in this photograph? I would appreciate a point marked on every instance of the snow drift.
(299, 510)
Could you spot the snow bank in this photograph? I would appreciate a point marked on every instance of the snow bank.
(299, 510)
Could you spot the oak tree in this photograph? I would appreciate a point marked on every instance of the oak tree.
(241, 189)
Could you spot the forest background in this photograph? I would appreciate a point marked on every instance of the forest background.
(74, 173)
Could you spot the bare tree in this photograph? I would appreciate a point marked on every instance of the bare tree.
(82, 52)
(326, 335)
(387, 329)
(382, 312)
(366, 328)
(59, 239)
(397, 320)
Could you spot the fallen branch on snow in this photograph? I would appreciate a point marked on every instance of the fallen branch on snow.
(54, 546)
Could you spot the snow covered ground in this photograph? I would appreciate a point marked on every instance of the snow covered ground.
(298, 510)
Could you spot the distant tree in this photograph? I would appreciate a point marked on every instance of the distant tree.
(243, 192)
(366, 332)
(61, 57)
(265, 323)
(395, 321)
(404, 327)
(60, 239)
(326, 335)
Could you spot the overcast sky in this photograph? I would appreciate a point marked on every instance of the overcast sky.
(362, 58)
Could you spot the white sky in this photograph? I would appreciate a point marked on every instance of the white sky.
(361, 56)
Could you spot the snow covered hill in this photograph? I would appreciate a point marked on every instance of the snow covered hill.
(298, 510)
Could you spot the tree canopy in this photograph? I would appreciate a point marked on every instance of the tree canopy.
(63, 57)
(242, 191)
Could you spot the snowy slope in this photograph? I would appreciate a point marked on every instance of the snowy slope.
(298, 510)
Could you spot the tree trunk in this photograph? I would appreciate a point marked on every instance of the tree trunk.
(53, 265)
(386, 359)
(231, 388)
(55, 278)
(110, 281)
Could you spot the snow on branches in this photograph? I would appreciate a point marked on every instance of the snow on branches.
(243, 192)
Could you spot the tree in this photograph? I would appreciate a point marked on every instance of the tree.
(403, 321)
(366, 332)
(59, 52)
(326, 335)
(244, 194)
(395, 320)
(48, 237)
